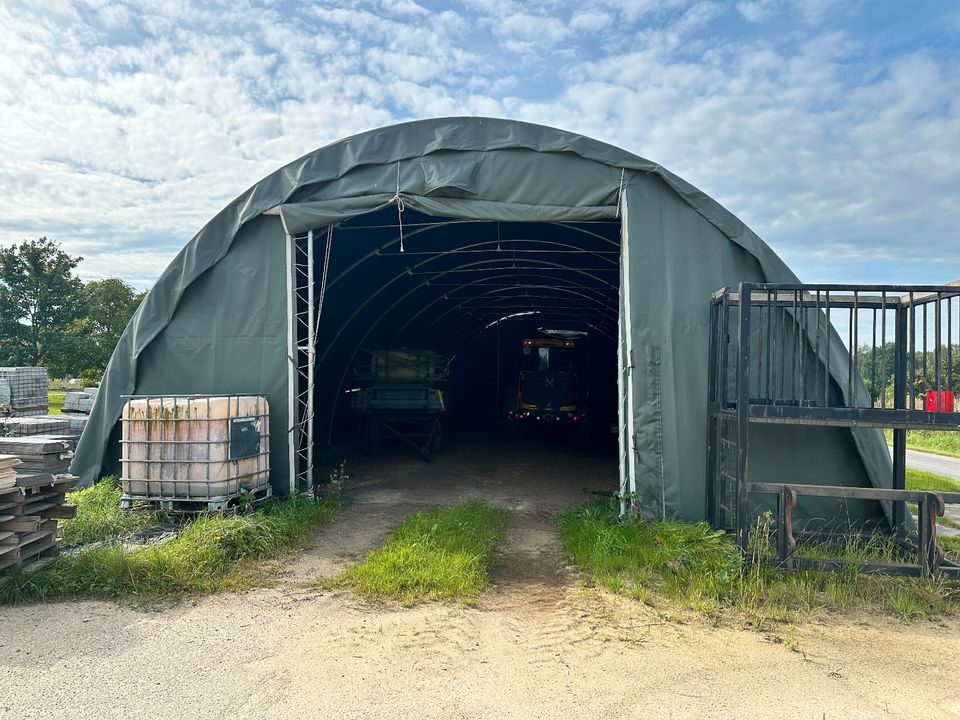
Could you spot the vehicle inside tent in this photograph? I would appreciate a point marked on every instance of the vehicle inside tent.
(473, 291)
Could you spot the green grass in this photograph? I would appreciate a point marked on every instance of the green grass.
(55, 402)
(941, 442)
(100, 518)
(211, 553)
(950, 544)
(701, 569)
(920, 480)
(436, 554)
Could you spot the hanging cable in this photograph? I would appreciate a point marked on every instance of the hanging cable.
(399, 201)
(323, 280)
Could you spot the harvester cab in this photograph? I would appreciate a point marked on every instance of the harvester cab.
(548, 394)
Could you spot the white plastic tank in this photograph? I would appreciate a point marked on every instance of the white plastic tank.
(194, 448)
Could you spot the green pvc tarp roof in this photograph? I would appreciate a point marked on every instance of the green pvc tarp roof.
(216, 319)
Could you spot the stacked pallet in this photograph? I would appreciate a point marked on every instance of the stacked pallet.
(28, 389)
(8, 475)
(29, 511)
(36, 425)
(76, 422)
(38, 454)
(80, 402)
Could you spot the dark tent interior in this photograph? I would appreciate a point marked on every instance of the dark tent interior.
(473, 291)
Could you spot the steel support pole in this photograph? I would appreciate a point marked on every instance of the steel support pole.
(311, 354)
(743, 416)
(899, 509)
(628, 439)
(292, 371)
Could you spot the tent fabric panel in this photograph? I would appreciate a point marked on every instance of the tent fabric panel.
(228, 336)
(301, 217)
(675, 256)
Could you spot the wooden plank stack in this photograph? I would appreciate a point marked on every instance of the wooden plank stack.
(29, 510)
(38, 454)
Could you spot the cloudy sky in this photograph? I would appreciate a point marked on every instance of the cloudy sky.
(831, 127)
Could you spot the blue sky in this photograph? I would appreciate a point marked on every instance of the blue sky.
(832, 128)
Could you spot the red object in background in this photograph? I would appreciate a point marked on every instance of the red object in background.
(946, 401)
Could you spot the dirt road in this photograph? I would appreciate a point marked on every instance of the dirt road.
(537, 645)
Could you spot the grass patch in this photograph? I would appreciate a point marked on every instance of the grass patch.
(920, 480)
(701, 569)
(941, 442)
(99, 517)
(437, 554)
(212, 553)
(55, 402)
(950, 544)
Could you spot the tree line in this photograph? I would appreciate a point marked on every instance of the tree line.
(49, 317)
(877, 365)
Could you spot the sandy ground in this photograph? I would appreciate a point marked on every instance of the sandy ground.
(537, 645)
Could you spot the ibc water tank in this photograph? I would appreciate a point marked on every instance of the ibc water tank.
(194, 448)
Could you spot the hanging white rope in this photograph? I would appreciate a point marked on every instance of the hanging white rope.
(399, 201)
(620, 191)
(323, 280)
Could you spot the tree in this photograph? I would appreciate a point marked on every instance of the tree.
(88, 341)
(39, 297)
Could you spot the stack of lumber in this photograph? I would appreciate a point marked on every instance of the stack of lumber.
(28, 389)
(8, 476)
(29, 510)
(38, 454)
(37, 425)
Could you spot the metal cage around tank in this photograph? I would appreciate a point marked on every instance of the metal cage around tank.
(854, 356)
(180, 450)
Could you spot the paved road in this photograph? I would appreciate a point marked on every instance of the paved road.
(939, 464)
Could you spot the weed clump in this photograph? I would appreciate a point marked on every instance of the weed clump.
(436, 554)
(702, 569)
(99, 517)
(212, 552)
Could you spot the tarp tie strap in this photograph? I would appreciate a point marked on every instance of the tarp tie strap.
(620, 191)
(399, 201)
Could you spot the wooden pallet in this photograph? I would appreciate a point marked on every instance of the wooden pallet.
(29, 514)
(199, 505)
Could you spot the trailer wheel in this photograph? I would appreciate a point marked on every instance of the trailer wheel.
(371, 435)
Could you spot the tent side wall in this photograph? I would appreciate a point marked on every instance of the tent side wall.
(677, 260)
(229, 335)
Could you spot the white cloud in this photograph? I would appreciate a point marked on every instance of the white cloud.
(127, 125)
(591, 21)
(756, 10)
